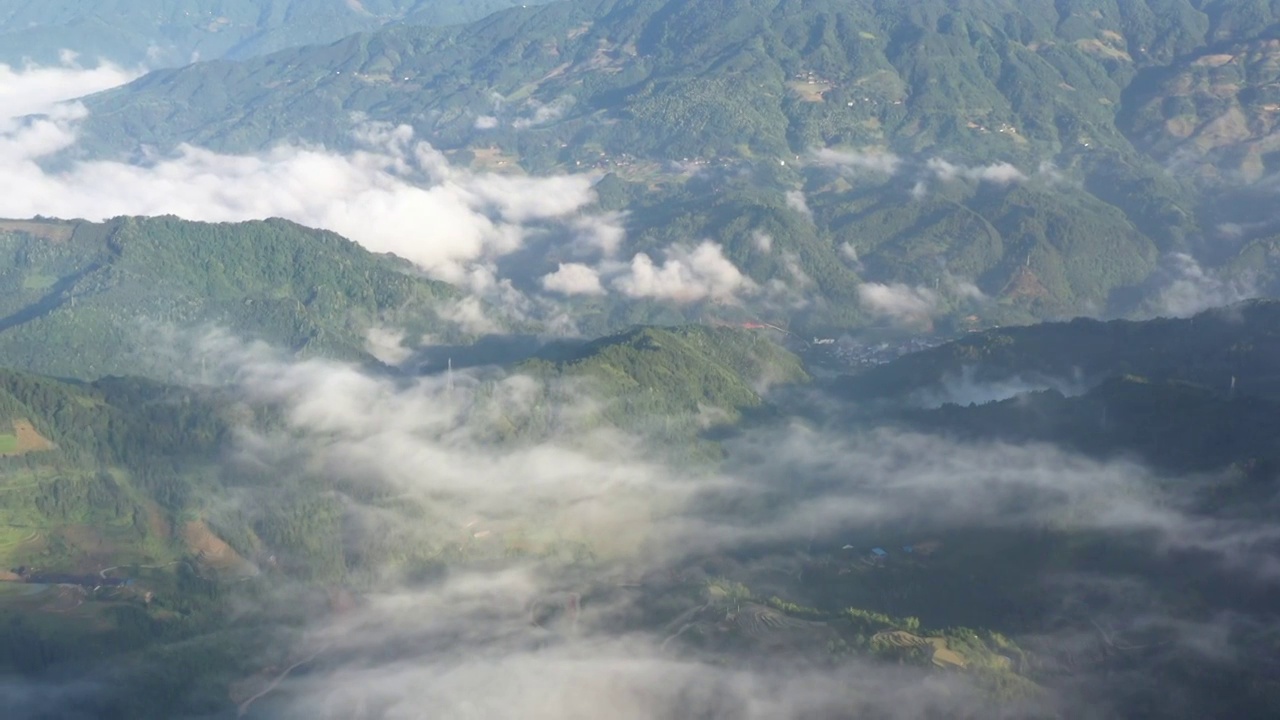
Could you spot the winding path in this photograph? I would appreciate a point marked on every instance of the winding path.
(244, 706)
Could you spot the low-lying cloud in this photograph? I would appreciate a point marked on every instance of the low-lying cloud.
(574, 279)
(687, 274)
(1189, 288)
(34, 89)
(398, 195)
(1001, 173)
(873, 160)
(576, 551)
(900, 302)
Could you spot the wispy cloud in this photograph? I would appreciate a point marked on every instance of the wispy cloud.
(1001, 173)
(873, 160)
(1188, 288)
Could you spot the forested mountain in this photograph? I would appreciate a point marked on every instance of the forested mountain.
(1223, 349)
(87, 299)
(1005, 160)
(258, 470)
(160, 33)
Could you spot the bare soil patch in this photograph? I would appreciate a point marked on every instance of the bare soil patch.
(211, 549)
(30, 439)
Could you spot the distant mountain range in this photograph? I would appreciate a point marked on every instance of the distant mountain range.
(162, 33)
(1010, 161)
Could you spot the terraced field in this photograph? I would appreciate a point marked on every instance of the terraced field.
(943, 656)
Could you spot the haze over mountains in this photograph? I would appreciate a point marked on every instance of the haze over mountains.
(162, 34)
(639, 358)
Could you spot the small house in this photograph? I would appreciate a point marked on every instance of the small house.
(879, 553)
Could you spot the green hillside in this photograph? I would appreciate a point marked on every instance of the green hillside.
(1175, 426)
(86, 299)
(1050, 75)
(100, 473)
(670, 384)
(1032, 141)
(125, 478)
(1210, 349)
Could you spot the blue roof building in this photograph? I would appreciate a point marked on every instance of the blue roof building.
(879, 552)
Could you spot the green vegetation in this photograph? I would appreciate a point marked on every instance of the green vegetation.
(1215, 349)
(671, 384)
(124, 288)
(706, 116)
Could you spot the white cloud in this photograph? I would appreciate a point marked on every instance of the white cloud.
(796, 201)
(875, 160)
(34, 89)
(998, 173)
(600, 234)
(397, 195)
(686, 275)
(573, 279)
(899, 302)
(544, 113)
(1049, 172)
(1189, 288)
(486, 122)
(762, 241)
(466, 643)
(963, 289)
(470, 316)
(387, 345)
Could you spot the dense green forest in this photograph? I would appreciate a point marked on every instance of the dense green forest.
(1218, 349)
(85, 300)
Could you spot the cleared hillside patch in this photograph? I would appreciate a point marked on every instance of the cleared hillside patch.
(23, 439)
(212, 550)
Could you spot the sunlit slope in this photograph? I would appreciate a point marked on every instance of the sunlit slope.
(86, 299)
(1034, 141)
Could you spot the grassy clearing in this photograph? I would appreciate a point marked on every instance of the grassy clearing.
(36, 281)
(810, 92)
(493, 159)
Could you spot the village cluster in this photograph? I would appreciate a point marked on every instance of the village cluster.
(854, 355)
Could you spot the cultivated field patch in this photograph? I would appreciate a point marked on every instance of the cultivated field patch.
(212, 550)
(23, 439)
